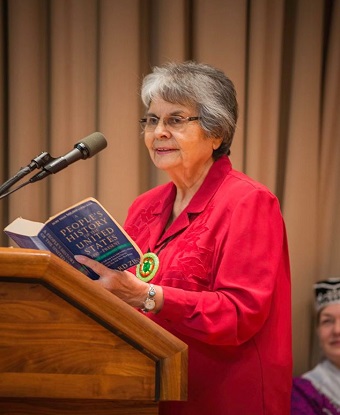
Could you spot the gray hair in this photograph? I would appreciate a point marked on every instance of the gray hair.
(202, 86)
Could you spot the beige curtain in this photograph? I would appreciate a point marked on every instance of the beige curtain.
(72, 67)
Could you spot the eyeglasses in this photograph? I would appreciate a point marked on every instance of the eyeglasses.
(173, 122)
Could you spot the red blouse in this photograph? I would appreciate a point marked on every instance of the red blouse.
(224, 269)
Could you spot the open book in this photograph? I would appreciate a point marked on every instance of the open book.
(85, 228)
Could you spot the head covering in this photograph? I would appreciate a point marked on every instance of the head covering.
(327, 292)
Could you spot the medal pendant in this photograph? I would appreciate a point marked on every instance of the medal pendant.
(148, 267)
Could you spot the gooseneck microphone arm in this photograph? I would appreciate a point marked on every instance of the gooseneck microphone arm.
(14, 190)
(37, 162)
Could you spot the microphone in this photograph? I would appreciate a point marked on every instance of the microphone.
(86, 148)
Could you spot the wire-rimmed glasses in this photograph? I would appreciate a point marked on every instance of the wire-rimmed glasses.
(172, 122)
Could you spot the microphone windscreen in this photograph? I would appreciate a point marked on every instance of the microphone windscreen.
(94, 143)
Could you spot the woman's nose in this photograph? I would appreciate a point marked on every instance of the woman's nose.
(161, 129)
(336, 327)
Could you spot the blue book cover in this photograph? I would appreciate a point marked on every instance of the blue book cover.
(85, 229)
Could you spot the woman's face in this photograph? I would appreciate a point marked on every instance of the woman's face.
(185, 151)
(329, 332)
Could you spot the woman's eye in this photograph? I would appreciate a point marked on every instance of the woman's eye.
(175, 120)
(152, 120)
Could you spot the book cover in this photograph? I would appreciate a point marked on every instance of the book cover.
(83, 229)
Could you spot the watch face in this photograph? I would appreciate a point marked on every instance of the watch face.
(149, 304)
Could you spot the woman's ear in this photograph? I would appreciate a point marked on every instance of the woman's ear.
(216, 142)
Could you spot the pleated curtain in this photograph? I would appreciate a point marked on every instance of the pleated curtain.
(72, 67)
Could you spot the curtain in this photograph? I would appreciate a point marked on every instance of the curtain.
(72, 67)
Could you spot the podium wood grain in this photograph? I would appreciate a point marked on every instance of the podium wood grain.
(68, 346)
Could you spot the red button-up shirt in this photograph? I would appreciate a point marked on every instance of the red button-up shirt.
(224, 269)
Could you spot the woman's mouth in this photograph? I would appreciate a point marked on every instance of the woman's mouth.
(164, 150)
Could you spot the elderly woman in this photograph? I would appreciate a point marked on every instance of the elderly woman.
(215, 271)
(318, 391)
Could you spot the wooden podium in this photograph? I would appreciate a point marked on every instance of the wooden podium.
(68, 346)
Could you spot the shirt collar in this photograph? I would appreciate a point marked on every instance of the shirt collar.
(198, 203)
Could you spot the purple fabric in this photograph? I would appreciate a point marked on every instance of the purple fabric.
(306, 400)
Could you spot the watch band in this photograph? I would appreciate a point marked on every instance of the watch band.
(150, 303)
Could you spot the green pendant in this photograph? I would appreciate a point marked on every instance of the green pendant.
(148, 267)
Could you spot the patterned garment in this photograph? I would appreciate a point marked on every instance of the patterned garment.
(307, 400)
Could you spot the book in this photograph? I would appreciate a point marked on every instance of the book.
(85, 228)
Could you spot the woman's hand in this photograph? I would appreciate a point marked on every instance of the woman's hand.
(123, 284)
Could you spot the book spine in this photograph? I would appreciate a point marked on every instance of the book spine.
(28, 242)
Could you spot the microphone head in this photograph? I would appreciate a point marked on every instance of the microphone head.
(91, 145)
